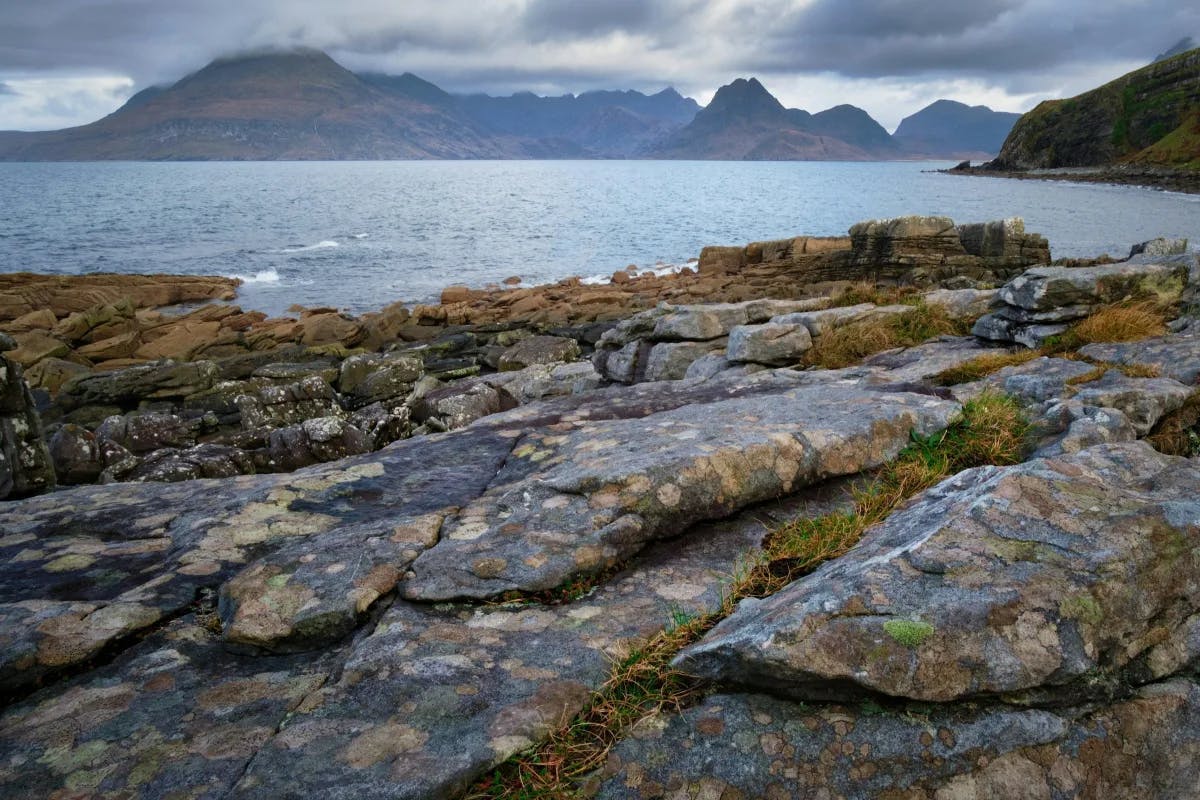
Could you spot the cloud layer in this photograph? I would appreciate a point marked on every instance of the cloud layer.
(813, 53)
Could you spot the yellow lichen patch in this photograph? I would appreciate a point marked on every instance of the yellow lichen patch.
(70, 563)
(383, 743)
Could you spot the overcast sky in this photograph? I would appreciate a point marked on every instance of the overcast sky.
(68, 62)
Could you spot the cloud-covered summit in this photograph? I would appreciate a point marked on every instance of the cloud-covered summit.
(889, 56)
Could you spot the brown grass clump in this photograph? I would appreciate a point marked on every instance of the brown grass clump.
(1121, 322)
(1178, 433)
(869, 292)
(850, 344)
(992, 430)
(981, 367)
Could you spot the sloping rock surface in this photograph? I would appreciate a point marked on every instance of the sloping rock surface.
(1040, 583)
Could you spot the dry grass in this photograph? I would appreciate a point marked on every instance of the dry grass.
(850, 344)
(1177, 433)
(981, 367)
(992, 430)
(868, 292)
(1120, 322)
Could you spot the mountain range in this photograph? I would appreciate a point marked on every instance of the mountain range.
(303, 105)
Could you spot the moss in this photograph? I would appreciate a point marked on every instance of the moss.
(1082, 607)
(908, 632)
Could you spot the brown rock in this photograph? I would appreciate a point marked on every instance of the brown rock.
(121, 346)
(512, 280)
(179, 341)
(33, 346)
(42, 320)
(455, 294)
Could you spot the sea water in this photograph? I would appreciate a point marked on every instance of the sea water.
(358, 235)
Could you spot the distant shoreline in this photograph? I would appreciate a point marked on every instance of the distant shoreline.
(1186, 182)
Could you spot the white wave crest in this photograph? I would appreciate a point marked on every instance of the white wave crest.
(359, 235)
(318, 246)
(262, 276)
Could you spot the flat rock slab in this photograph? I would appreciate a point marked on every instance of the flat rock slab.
(419, 704)
(1175, 355)
(1041, 380)
(1044, 582)
(753, 746)
(581, 499)
(1144, 401)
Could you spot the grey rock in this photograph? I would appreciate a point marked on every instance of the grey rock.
(775, 343)
(26, 467)
(538, 350)
(1143, 400)
(669, 361)
(143, 432)
(1006, 582)
(1174, 355)
(1161, 246)
(126, 387)
(1044, 288)
(1070, 426)
(1041, 380)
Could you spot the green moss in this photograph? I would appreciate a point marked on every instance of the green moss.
(908, 632)
(1082, 607)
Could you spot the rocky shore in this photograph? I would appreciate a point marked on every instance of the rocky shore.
(1165, 178)
(762, 507)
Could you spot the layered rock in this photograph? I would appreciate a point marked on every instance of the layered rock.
(1044, 301)
(25, 464)
(1000, 582)
(24, 293)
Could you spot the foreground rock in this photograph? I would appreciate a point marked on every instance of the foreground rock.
(1144, 748)
(1012, 583)
(25, 465)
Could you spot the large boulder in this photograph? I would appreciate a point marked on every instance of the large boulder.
(25, 464)
(1016, 583)
(160, 380)
(538, 350)
(1048, 288)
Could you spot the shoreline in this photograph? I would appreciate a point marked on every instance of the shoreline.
(1179, 181)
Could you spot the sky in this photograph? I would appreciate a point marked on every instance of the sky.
(69, 62)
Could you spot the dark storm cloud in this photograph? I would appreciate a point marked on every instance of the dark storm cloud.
(568, 17)
(1001, 39)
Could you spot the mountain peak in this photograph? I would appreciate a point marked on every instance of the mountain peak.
(746, 98)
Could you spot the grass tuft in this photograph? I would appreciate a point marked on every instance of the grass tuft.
(981, 367)
(992, 430)
(869, 292)
(850, 344)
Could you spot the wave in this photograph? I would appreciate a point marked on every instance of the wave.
(318, 246)
(359, 235)
(262, 276)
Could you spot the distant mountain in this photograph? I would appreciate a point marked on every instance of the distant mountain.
(951, 129)
(1182, 46)
(296, 104)
(1150, 116)
(745, 122)
(604, 123)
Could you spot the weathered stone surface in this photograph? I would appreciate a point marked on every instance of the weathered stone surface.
(1175, 355)
(1144, 401)
(1159, 247)
(699, 323)
(171, 464)
(669, 361)
(962, 303)
(1012, 582)
(160, 380)
(25, 464)
(588, 497)
(1146, 747)
(926, 360)
(142, 432)
(1070, 426)
(538, 350)
(1043, 288)
(999, 328)
(369, 378)
(314, 441)
(51, 373)
(23, 292)
(290, 404)
(769, 343)
(34, 346)
(543, 381)
(1037, 381)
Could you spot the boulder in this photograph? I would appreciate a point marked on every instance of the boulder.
(25, 464)
(98, 322)
(314, 441)
(171, 465)
(770, 343)
(160, 380)
(1144, 401)
(122, 345)
(181, 341)
(1012, 583)
(1047, 288)
(371, 377)
(34, 346)
(1156, 248)
(288, 404)
(51, 373)
(144, 432)
(538, 350)
(669, 361)
(1175, 355)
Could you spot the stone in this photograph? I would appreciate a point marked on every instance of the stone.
(51, 373)
(127, 387)
(1144, 401)
(7, 343)
(331, 328)
(1041, 380)
(699, 323)
(289, 404)
(669, 361)
(62, 295)
(313, 441)
(1156, 248)
(458, 405)
(1070, 426)
(1142, 747)
(962, 303)
(618, 485)
(170, 465)
(1043, 288)
(34, 346)
(25, 464)
(820, 322)
(1175, 355)
(371, 378)
(76, 455)
(1011, 583)
(775, 343)
(538, 350)
(123, 345)
(143, 432)
(924, 361)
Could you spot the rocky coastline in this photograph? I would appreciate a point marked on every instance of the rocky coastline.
(1186, 181)
(411, 553)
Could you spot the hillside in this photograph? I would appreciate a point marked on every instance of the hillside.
(950, 128)
(1147, 117)
(745, 122)
(298, 104)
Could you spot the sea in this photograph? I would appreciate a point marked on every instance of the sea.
(360, 235)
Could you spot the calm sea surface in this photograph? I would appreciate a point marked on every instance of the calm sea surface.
(359, 234)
